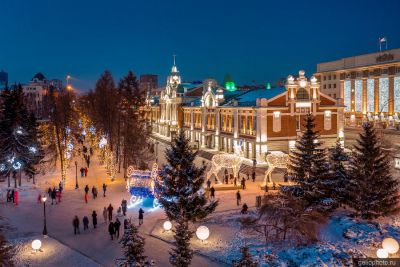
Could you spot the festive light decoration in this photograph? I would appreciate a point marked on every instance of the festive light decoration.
(390, 245)
(2, 167)
(382, 253)
(92, 130)
(167, 225)
(68, 130)
(84, 132)
(141, 185)
(33, 149)
(36, 244)
(276, 159)
(229, 161)
(17, 165)
(202, 232)
(103, 142)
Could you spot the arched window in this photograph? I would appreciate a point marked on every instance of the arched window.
(302, 94)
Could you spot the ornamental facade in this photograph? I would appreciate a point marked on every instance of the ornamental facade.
(251, 123)
(368, 84)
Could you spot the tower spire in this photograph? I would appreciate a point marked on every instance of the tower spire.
(174, 59)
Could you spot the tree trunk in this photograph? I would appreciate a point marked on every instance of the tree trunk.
(9, 180)
(19, 178)
(15, 179)
(33, 176)
(118, 142)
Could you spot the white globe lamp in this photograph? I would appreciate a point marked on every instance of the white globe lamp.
(202, 232)
(36, 244)
(390, 245)
(382, 253)
(167, 225)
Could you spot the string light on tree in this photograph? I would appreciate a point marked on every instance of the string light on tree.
(33, 149)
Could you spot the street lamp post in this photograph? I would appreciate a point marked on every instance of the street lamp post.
(76, 175)
(44, 215)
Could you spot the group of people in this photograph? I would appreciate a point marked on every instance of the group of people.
(54, 194)
(94, 192)
(12, 196)
(85, 221)
(84, 171)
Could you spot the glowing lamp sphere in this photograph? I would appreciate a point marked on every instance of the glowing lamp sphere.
(390, 245)
(303, 83)
(36, 244)
(202, 232)
(382, 253)
(167, 225)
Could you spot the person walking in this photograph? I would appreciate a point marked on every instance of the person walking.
(53, 196)
(39, 198)
(253, 176)
(243, 183)
(110, 210)
(244, 209)
(75, 223)
(111, 230)
(94, 196)
(141, 216)
(238, 198)
(212, 192)
(105, 216)
(85, 223)
(60, 187)
(94, 219)
(104, 190)
(82, 171)
(126, 223)
(58, 196)
(86, 189)
(124, 205)
(49, 192)
(13, 196)
(16, 197)
(208, 183)
(95, 192)
(86, 171)
(117, 226)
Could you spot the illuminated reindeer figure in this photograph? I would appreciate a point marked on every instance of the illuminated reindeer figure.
(275, 159)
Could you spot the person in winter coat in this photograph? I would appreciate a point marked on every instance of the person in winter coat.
(104, 190)
(86, 189)
(119, 212)
(49, 192)
(58, 196)
(86, 198)
(110, 210)
(253, 176)
(141, 216)
(75, 223)
(111, 230)
(53, 196)
(60, 187)
(117, 226)
(8, 195)
(105, 214)
(85, 223)
(208, 183)
(238, 198)
(243, 184)
(94, 219)
(244, 209)
(82, 172)
(39, 198)
(86, 171)
(95, 192)
(16, 199)
(212, 192)
(124, 205)
(126, 223)
(91, 151)
(94, 196)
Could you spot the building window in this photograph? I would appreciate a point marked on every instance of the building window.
(302, 94)
(324, 86)
(370, 95)
(334, 77)
(334, 85)
(334, 96)
(327, 120)
(276, 126)
(383, 94)
(324, 78)
(397, 162)
(347, 95)
(329, 77)
(329, 86)
(358, 95)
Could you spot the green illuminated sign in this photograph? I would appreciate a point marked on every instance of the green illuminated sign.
(230, 86)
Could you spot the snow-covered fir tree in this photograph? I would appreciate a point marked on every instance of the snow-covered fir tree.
(339, 175)
(133, 245)
(246, 260)
(19, 146)
(309, 168)
(373, 191)
(182, 195)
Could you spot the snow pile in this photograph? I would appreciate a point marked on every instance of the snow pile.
(52, 253)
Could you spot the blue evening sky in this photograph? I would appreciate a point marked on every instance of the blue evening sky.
(252, 40)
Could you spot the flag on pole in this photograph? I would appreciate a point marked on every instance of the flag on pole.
(382, 40)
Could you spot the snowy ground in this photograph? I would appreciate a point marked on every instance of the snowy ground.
(94, 247)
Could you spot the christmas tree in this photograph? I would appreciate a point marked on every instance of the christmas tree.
(374, 192)
(339, 176)
(182, 195)
(246, 260)
(309, 168)
(133, 245)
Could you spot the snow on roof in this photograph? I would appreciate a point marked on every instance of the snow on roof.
(249, 98)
